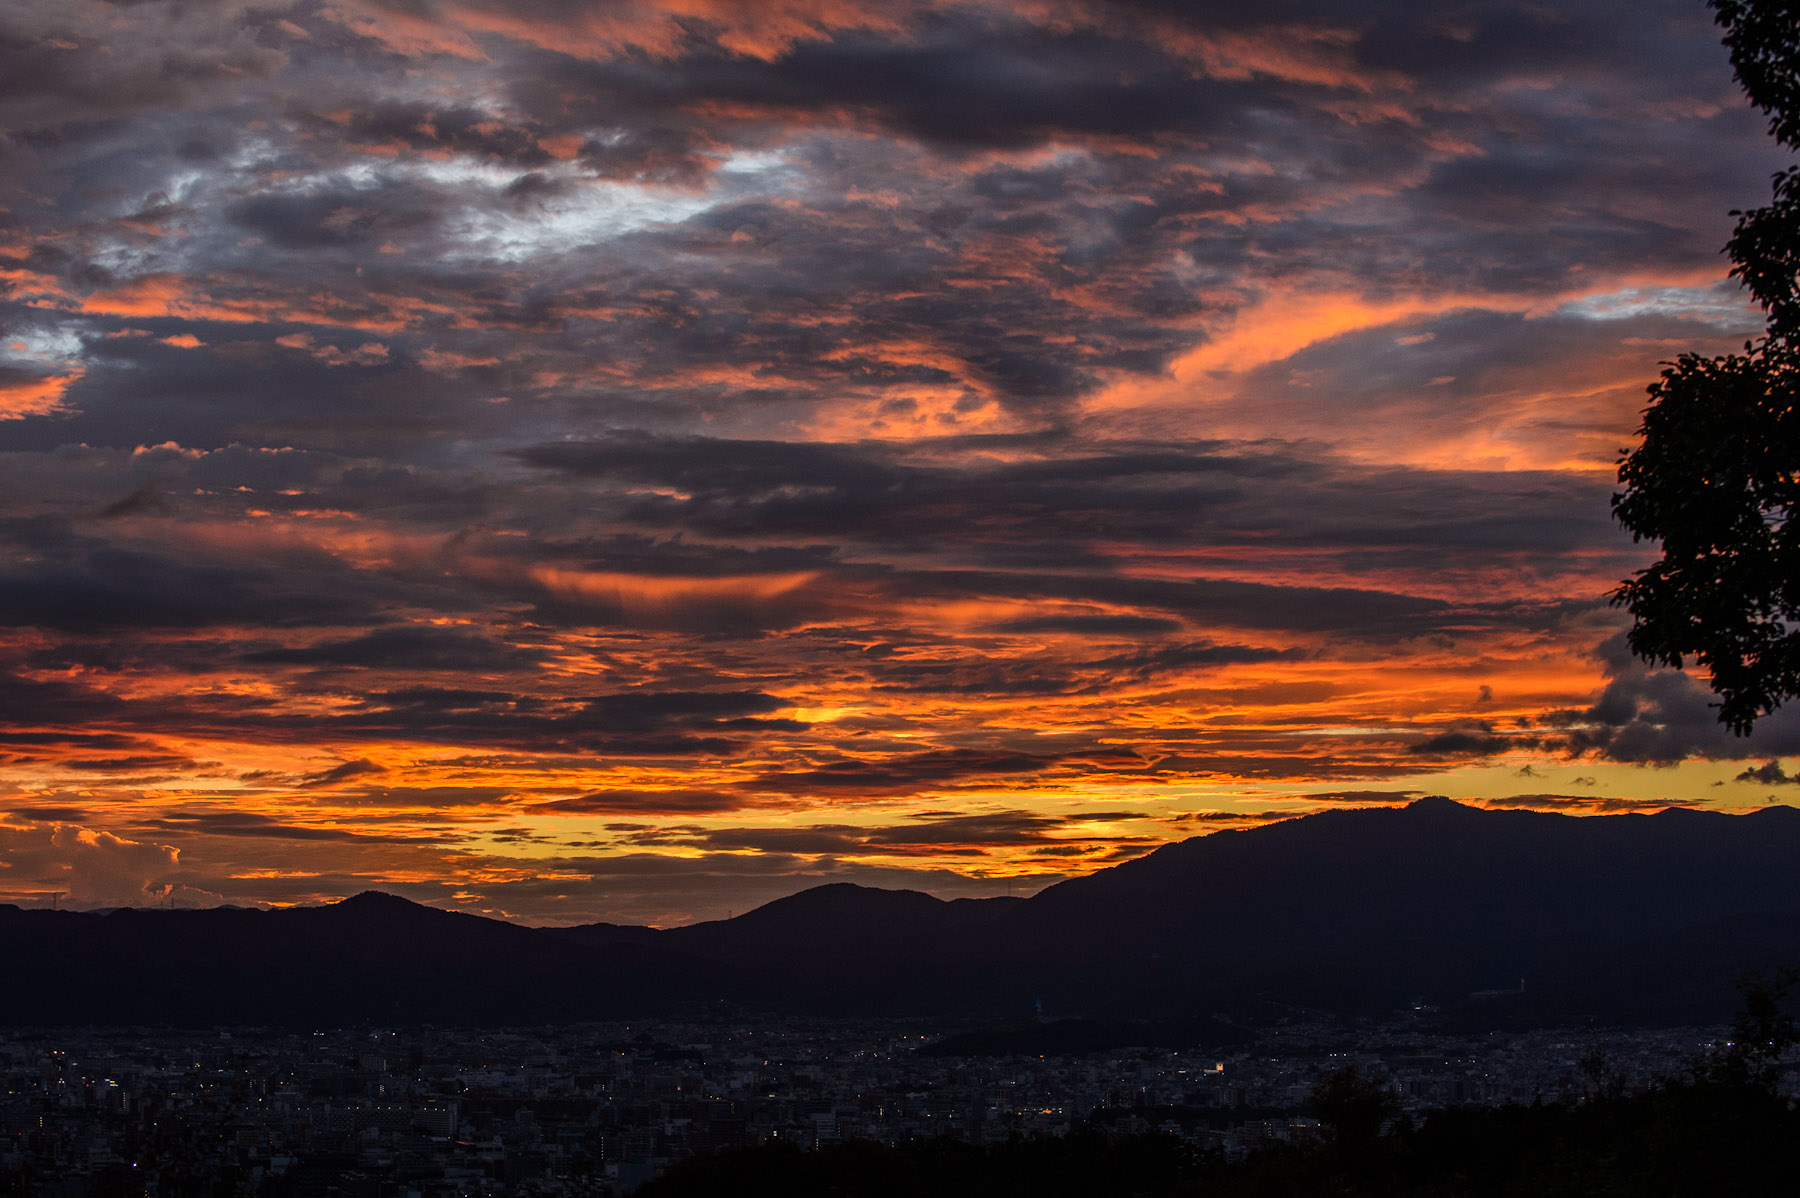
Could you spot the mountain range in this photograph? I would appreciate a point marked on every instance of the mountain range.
(1497, 918)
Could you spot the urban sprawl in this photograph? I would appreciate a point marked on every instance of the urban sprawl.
(598, 1109)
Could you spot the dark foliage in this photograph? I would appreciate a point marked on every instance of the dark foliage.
(1763, 1031)
(1079, 1165)
(1723, 1128)
(1353, 1105)
(1714, 479)
(1696, 1137)
(1764, 38)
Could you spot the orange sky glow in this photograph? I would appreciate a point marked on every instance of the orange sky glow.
(636, 464)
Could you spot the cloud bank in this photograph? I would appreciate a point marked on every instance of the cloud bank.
(629, 461)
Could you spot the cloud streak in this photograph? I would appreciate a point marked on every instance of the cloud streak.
(842, 441)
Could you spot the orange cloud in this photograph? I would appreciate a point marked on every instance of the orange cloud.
(763, 30)
(163, 295)
(86, 866)
(34, 396)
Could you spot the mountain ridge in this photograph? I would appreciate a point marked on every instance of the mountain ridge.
(1359, 910)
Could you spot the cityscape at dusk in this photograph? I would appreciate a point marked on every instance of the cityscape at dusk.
(632, 462)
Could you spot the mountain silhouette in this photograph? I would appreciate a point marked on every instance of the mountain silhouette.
(1496, 917)
(1358, 906)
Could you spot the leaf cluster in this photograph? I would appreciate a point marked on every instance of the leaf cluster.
(1714, 478)
(1715, 481)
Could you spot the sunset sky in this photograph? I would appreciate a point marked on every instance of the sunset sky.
(633, 461)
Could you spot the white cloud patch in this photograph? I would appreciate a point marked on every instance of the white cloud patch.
(1723, 305)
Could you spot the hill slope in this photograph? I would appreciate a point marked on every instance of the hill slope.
(1617, 918)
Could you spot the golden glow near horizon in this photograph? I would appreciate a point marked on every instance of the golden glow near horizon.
(634, 467)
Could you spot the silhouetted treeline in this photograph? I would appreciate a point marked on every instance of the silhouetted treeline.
(1702, 1136)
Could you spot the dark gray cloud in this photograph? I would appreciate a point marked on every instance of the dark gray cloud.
(927, 833)
(1095, 625)
(250, 824)
(673, 416)
(1042, 675)
(956, 84)
(111, 589)
(906, 773)
(1769, 773)
(1588, 804)
(406, 648)
(643, 723)
(647, 802)
(50, 813)
(342, 218)
(1170, 493)
(362, 767)
(1658, 717)
(1476, 743)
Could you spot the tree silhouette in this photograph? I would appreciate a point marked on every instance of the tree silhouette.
(1715, 478)
(1353, 1105)
(1763, 1030)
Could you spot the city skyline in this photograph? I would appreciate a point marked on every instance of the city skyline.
(573, 463)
